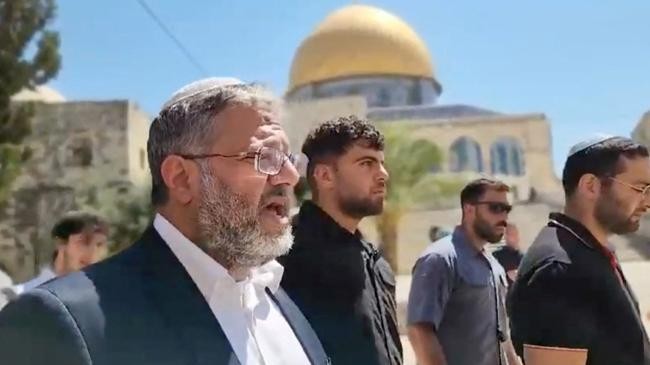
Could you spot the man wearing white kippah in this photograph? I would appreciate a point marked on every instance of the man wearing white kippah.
(571, 303)
(201, 286)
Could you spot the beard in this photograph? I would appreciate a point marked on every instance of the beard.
(610, 214)
(487, 231)
(361, 207)
(231, 230)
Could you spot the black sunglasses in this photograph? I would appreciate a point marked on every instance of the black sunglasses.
(496, 207)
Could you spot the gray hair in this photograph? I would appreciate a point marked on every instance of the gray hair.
(185, 125)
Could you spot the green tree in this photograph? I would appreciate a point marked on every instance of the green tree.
(29, 56)
(410, 162)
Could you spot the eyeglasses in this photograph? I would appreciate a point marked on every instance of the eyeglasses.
(496, 207)
(645, 191)
(268, 160)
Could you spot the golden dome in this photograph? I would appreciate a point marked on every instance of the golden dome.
(360, 40)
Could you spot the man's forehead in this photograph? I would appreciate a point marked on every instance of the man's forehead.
(495, 194)
(238, 114)
(241, 126)
(88, 236)
(363, 148)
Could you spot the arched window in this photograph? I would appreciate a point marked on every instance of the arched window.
(507, 157)
(383, 97)
(465, 155)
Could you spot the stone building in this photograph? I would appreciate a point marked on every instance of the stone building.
(84, 153)
(641, 132)
(365, 61)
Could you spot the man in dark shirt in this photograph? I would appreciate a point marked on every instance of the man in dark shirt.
(570, 291)
(509, 256)
(338, 280)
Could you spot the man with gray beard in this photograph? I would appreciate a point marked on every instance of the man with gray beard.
(340, 281)
(201, 286)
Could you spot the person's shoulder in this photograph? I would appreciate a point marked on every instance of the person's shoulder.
(109, 275)
(37, 327)
(38, 307)
(439, 253)
(443, 248)
(551, 273)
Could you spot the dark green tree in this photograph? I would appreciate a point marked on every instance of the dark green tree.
(29, 56)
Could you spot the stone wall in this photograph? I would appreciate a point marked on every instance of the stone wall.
(531, 131)
(81, 157)
(138, 133)
(301, 117)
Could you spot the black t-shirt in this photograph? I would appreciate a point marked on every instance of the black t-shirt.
(567, 294)
(508, 257)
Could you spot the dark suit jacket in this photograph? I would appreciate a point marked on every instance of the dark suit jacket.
(138, 307)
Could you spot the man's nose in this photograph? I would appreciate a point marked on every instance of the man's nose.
(288, 175)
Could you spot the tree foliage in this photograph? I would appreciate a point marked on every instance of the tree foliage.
(410, 162)
(29, 56)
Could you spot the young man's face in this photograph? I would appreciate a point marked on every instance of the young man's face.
(360, 181)
(81, 250)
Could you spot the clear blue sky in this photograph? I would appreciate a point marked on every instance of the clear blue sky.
(585, 64)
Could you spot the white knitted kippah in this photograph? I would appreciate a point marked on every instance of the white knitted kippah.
(593, 140)
(200, 86)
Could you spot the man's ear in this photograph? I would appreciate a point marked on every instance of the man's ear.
(177, 174)
(589, 186)
(324, 176)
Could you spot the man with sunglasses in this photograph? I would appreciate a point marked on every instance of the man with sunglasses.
(201, 285)
(338, 279)
(456, 308)
(570, 291)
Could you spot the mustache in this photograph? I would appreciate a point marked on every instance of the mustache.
(276, 191)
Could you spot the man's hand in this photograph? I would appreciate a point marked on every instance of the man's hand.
(424, 341)
(511, 355)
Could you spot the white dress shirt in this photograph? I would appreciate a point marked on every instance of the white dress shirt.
(45, 275)
(253, 324)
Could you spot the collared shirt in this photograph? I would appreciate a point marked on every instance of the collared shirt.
(460, 291)
(253, 324)
(570, 293)
(45, 275)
